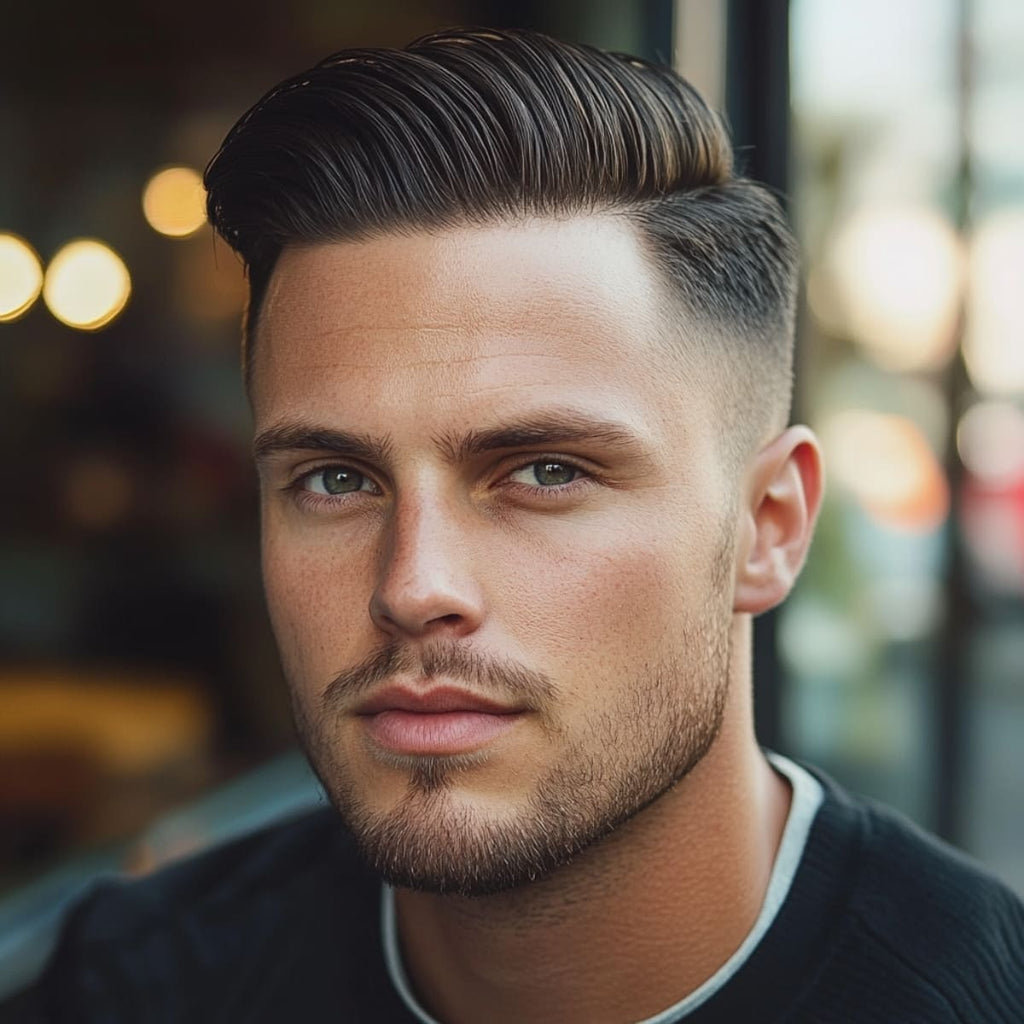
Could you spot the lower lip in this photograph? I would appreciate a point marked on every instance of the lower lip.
(446, 732)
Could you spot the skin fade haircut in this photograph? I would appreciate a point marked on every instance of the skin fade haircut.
(470, 127)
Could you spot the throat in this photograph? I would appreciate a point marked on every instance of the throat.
(632, 926)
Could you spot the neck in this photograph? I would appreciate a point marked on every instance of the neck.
(635, 923)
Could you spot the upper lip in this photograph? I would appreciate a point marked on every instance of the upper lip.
(435, 701)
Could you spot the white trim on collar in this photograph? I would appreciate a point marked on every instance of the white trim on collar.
(807, 798)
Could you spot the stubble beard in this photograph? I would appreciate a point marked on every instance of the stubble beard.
(624, 761)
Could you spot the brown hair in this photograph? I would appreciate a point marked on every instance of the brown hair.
(473, 126)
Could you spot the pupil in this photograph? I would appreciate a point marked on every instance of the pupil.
(551, 473)
(341, 481)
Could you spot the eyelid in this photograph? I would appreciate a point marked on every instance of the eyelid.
(524, 461)
(512, 464)
(305, 472)
(585, 478)
(311, 466)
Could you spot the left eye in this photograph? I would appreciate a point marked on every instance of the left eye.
(335, 480)
(546, 473)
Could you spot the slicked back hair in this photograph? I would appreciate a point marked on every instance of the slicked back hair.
(481, 126)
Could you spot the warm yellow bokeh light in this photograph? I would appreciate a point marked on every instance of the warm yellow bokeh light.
(21, 277)
(994, 343)
(887, 464)
(898, 274)
(86, 285)
(174, 202)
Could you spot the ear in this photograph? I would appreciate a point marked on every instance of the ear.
(782, 494)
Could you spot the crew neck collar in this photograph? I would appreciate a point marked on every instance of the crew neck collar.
(808, 796)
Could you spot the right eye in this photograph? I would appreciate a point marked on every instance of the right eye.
(334, 480)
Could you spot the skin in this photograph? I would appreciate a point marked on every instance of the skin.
(658, 553)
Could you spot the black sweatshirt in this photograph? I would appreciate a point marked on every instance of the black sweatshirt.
(882, 924)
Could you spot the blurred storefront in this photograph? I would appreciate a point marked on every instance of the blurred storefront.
(903, 650)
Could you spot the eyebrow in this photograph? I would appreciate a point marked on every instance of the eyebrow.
(293, 437)
(549, 428)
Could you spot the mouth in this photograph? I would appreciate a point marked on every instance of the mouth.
(437, 722)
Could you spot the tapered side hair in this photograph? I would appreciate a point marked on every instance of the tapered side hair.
(480, 126)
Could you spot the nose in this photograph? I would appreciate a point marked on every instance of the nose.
(425, 585)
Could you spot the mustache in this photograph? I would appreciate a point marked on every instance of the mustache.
(497, 678)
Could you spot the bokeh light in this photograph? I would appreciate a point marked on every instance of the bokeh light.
(21, 277)
(886, 463)
(174, 202)
(86, 285)
(994, 342)
(990, 440)
(897, 273)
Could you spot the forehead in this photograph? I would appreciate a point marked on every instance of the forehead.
(449, 322)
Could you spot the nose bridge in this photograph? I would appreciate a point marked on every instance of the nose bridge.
(425, 575)
(419, 529)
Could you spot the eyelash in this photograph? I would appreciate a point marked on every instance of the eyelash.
(553, 493)
(558, 491)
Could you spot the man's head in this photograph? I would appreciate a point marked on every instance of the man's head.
(518, 348)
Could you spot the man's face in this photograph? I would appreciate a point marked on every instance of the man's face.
(497, 541)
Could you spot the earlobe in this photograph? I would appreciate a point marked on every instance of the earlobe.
(782, 496)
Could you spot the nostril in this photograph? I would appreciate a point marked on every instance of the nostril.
(446, 622)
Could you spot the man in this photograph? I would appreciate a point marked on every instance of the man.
(519, 351)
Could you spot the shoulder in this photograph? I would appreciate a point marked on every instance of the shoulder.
(249, 925)
(933, 914)
(911, 879)
(228, 877)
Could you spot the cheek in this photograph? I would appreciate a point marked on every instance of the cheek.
(318, 599)
(605, 597)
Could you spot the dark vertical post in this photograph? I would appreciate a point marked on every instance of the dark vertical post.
(757, 88)
(757, 106)
(656, 28)
(951, 691)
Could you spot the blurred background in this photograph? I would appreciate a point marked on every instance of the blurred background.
(142, 709)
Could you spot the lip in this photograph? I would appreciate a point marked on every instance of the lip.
(444, 721)
(440, 700)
